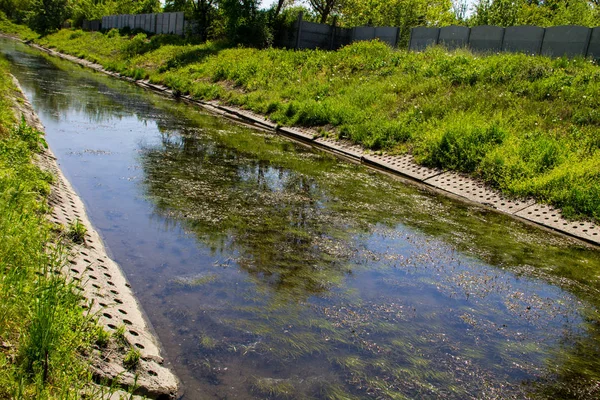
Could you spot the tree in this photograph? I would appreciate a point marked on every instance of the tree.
(324, 8)
(47, 15)
(404, 14)
(16, 9)
(536, 12)
(281, 4)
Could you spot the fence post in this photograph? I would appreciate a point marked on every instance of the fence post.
(332, 33)
(541, 43)
(299, 33)
(589, 42)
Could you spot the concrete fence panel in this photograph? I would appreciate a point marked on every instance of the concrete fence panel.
(159, 23)
(165, 23)
(387, 34)
(341, 37)
(179, 24)
(314, 36)
(172, 22)
(566, 40)
(361, 33)
(594, 46)
(423, 37)
(146, 22)
(523, 39)
(486, 38)
(153, 28)
(454, 37)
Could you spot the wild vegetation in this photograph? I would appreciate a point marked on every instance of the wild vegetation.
(43, 330)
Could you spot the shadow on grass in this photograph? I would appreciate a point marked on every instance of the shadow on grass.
(194, 55)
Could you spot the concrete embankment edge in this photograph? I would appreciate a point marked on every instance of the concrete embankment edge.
(106, 292)
(453, 184)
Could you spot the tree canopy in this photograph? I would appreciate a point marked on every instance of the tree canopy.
(242, 21)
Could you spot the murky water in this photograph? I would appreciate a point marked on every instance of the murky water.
(273, 271)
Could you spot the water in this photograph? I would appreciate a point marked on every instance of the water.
(270, 270)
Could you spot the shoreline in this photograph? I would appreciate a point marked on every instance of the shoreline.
(105, 290)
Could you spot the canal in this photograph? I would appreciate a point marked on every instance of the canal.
(271, 270)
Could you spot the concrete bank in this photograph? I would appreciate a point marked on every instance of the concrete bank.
(106, 294)
(450, 183)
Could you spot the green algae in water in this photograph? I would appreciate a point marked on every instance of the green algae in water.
(300, 229)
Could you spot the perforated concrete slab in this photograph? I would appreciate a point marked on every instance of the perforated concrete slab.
(466, 187)
(404, 165)
(341, 146)
(105, 290)
(298, 133)
(552, 218)
(109, 296)
(257, 118)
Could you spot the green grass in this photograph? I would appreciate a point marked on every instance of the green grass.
(7, 27)
(43, 330)
(77, 232)
(529, 126)
(132, 358)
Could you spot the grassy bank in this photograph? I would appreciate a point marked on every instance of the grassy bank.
(43, 330)
(529, 126)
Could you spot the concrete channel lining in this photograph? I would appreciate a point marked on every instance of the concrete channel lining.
(469, 188)
(105, 290)
(406, 167)
(551, 217)
(404, 164)
(343, 147)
